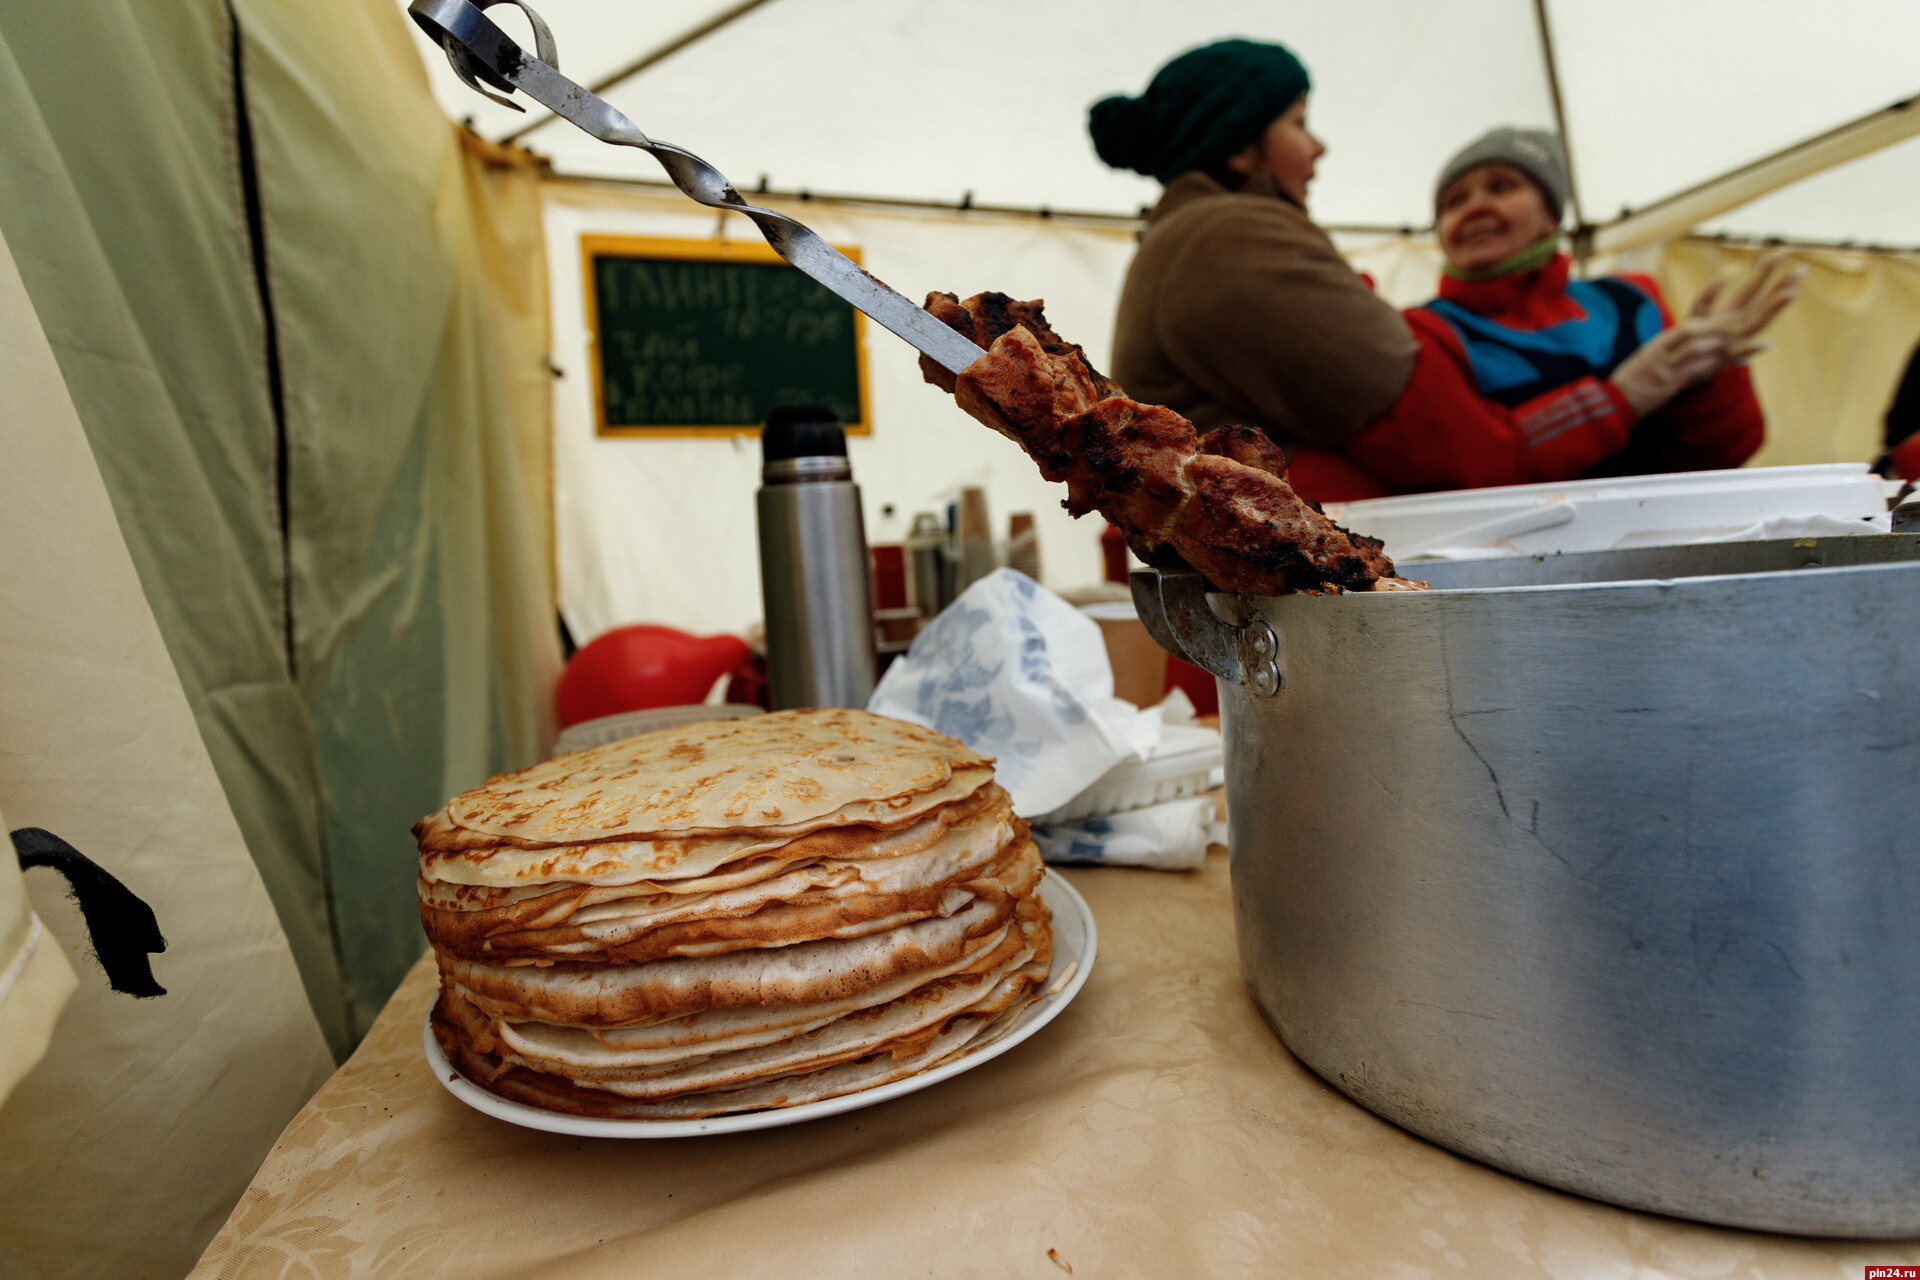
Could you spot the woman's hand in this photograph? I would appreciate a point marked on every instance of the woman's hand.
(1711, 337)
(1761, 296)
(1676, 359)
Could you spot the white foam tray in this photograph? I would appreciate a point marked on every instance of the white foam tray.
(1182, 765)
(1596, 515)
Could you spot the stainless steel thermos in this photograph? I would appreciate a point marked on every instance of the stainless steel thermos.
(815, 579)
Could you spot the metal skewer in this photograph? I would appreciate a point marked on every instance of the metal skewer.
(480, 52)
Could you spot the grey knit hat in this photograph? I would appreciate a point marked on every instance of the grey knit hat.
(1535, 152)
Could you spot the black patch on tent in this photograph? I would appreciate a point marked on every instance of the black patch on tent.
(122, 927)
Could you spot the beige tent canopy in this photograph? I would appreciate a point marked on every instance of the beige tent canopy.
(922, 101)
(948, 141)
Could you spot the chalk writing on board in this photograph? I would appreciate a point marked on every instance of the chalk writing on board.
(712, 343)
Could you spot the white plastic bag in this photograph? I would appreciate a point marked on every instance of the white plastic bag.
(1018, 674)
(1173, 836)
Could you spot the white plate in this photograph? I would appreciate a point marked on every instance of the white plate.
(631, 724)
(1074, 942)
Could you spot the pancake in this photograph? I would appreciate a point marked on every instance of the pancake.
(615, 861)
(952, 845)
(556, 1093)
(952, 1039)
(587, 995)
(786, 772)
(853, 1035)
(846, 911)
(724, 1030)
(966, 1029)
(730, 915)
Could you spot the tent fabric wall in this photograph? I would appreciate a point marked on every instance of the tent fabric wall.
(35, 978)
(504, 191)
(123, 208)
(1836, 354)
(386, 638)
(411, 322)
(129, 1141)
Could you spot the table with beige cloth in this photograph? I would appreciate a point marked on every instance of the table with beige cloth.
(1157, 1128)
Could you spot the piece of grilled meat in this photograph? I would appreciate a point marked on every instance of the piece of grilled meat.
(1222, 502)
(985, 316)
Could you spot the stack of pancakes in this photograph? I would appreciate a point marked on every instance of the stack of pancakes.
(730, 915)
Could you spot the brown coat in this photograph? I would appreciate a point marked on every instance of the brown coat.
(1238, 309)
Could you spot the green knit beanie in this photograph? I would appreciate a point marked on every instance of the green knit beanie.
(1202, 107)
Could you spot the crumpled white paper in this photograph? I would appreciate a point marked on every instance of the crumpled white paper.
(1172, 836)
(1018, 674)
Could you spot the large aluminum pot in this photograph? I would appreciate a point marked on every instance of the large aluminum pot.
(1611, 884)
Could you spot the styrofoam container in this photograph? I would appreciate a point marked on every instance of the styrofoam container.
(1599, 515)
(1186, 762)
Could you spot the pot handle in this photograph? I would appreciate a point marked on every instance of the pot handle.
(1172, 604)
(1906, 519)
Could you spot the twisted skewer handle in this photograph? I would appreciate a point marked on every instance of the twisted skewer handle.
(480, 51)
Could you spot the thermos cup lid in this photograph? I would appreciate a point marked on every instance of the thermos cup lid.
(802, 431)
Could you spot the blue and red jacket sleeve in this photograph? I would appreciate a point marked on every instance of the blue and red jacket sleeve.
(1714, 426)
(1905, 458)
(1441, 433)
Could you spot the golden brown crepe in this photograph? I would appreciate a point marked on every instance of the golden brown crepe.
(830, 900)
(730, 914)
(790, 772)
(963, 1028)
(624, 861)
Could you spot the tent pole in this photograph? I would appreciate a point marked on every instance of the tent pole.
(1100, 217)
(1582, 233)
(1793, 245)
(1679, 213)
(659, 53)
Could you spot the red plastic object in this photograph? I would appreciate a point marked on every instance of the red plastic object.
(749, 686)
(889, 575)
(1906, 458)
(633, 668)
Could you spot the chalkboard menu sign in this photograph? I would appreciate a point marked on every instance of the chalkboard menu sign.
(703, 337)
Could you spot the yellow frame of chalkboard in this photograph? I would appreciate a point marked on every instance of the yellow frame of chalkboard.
(675, 247)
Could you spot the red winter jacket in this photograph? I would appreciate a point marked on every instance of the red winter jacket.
(1445, 432)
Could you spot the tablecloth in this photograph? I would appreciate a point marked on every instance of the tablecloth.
(1157, 1128)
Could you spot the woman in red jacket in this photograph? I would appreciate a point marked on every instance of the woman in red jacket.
(1524, 375)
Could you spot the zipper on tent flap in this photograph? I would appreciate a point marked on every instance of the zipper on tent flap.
(277, 397)
(276, 386)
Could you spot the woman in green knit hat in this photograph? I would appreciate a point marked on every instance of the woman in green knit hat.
(1237, 308)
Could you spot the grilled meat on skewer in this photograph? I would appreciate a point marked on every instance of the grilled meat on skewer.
(1222, 502)
(985, 316)
(1244, 444)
